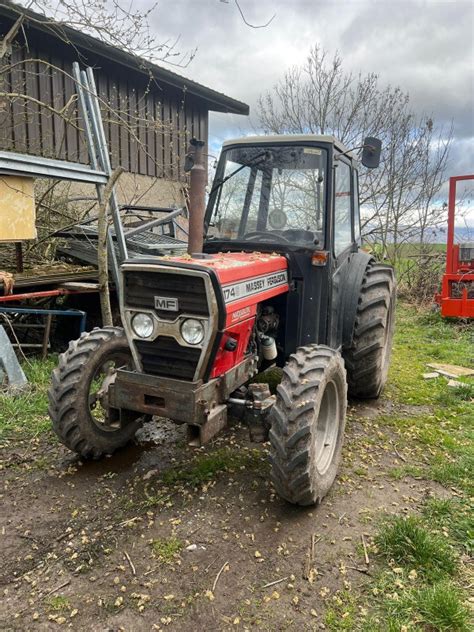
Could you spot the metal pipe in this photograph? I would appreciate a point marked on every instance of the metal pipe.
(102, 145)
(197, 205)
(450, 267)
(85, 115)
(54, 312)
(239, 402)
(98, 154)
(153, 222)
(19, 256)
(45, 294)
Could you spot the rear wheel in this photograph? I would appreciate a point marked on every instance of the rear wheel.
(308, 421)
(368, 358)
(78, 396)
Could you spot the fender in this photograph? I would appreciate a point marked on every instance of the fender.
(350, 292)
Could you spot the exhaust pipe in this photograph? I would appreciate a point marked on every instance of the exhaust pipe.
(197, 189)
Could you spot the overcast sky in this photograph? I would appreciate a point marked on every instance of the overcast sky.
(425, 47)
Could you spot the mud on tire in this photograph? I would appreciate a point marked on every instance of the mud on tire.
(72, 403)
(308, 421)
(368, 358)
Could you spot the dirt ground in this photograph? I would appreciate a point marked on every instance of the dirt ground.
(118, 545)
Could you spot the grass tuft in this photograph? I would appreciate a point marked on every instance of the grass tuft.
(458, 472)
(439, 608)
(167, 549)
(408, 543)
(454, 516)
(342, 614)
(452, 396)
(58, 603)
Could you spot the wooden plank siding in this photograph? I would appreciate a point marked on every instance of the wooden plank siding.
(148, 124)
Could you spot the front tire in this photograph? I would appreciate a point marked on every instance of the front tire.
(308, 421)
(78, 404)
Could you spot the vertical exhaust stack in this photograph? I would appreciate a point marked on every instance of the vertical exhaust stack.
(197, 189)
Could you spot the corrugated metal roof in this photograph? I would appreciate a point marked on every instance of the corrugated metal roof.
(217, 101)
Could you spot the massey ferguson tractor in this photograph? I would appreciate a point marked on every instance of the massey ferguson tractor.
(275, 277)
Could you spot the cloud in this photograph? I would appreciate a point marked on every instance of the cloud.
(425, 47)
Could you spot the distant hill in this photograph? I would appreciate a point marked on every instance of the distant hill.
(461, 234)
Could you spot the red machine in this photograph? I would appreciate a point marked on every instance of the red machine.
(280, 282)
(457, 288)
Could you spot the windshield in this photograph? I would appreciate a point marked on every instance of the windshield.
(270, 194)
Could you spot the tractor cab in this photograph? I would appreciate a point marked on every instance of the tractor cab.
(297, 196)
(286, 193)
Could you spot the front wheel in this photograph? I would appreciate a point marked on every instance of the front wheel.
(308, 421)
(78, 396)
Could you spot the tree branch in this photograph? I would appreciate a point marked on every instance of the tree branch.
(102, 255)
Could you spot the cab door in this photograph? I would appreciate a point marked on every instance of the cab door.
(344, 239)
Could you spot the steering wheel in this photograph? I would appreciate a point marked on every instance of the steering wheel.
(269, 236)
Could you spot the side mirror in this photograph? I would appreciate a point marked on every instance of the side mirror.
(371, 151)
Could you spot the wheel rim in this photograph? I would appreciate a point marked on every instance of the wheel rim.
(97, 392)
(327, 428)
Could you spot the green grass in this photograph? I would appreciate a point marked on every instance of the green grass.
(26, 413)
(445, 423)
(454, 515)
(342, 615)
(440, 607)
(58, 603)
(206, 467)
(420, 338)
(409, 544)
(167, 549)
(420, 569)
(458, 472)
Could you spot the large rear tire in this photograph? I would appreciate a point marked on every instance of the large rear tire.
(368, 358)
(308, 421)
(78, 403)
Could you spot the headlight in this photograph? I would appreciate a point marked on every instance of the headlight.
(142, 325)
(192, 331)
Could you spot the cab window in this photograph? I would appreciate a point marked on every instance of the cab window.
(356, 208)
(342, 208)
(270, 194)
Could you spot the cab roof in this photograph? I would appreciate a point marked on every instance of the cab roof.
(290, 138)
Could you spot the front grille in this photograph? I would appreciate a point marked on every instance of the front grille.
(142, 287)
(165, 356)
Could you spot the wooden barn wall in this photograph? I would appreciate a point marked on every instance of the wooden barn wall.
(147, 124)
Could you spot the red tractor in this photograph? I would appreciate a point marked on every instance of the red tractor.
(457, 288)
(279, 279)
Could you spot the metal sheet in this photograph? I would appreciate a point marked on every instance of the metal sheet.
(15, 164)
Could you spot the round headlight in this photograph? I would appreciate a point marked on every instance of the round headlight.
(142, 325)
(192, 331)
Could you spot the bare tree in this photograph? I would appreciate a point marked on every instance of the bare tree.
(115, 23)
(398, 199)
